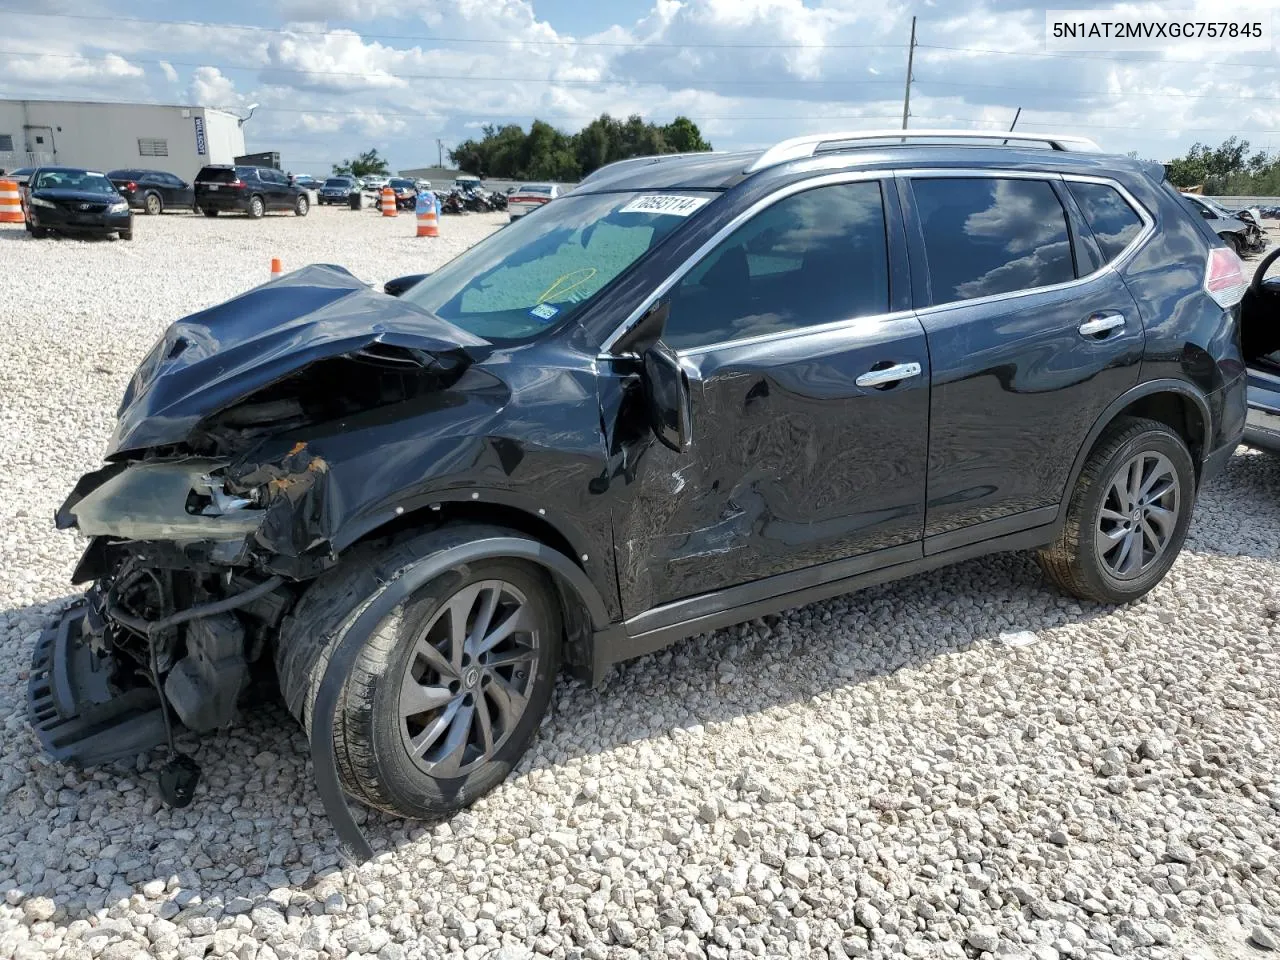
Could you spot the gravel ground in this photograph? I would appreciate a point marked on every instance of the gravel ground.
(961, 764)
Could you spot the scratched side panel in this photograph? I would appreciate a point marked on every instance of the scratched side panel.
(791, 465)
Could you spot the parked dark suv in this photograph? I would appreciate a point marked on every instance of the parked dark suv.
(693, 391)
(251, 190)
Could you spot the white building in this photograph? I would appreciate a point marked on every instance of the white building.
(109, 136)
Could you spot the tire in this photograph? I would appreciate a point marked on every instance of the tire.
(153, 205)
(210, 213)
(1081, 562)
(257, 207)
(372, 739)
(1234, 243)
(302, 207)
(126, 234)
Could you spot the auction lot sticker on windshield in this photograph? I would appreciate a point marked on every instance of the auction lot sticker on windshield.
(664, 203)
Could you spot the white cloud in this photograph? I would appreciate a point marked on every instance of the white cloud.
(209, 88)
(170, 74)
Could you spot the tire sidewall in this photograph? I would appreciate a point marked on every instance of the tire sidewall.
(146, 204)
(414, 792)
(1151, 440)
(302, 207)
(256, 207)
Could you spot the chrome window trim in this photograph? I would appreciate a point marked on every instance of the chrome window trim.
(800, 186)
(832, 325)
(1111, 266)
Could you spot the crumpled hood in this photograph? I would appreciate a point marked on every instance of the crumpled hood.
(209, 360)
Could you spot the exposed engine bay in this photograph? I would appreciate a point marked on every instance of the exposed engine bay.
(214, 507)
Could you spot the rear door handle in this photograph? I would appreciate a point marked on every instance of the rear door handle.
(878, 378)
(1101, 324)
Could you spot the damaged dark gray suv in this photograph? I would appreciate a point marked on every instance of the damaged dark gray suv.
(693, 391)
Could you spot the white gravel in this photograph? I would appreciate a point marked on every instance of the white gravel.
(962, 764)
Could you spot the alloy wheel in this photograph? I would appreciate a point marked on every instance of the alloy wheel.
(1139, 515)
(153, 204)
(468, 679)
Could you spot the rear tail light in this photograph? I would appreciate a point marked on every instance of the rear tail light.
(1224, 277)
(131, 186)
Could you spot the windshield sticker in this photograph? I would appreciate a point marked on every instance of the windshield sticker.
(661, 203)
(544, 311)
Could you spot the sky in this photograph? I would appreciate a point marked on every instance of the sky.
(336, 77)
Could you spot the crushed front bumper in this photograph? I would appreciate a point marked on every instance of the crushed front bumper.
(77, 714)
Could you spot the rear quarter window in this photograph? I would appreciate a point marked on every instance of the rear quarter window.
(1115, 224)
(991, 235)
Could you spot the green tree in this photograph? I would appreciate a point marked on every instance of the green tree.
(1227, 169)
(545, 153)
(366, 164)
(683, 136)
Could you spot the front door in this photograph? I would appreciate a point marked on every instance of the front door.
(810, 404)
(1030, 341)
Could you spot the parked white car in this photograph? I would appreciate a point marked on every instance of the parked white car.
(529, 197)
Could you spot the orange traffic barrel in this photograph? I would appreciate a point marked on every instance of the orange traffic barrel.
(10, 202)
(428, 221)
(388, 202)
(276, 267)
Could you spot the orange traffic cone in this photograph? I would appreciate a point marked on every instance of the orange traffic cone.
(388, 202)
(276, 268)
(428, 222)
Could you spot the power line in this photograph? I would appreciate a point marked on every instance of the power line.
(428, 76)
(1050, 91)
(482, 40)
(1082, 56)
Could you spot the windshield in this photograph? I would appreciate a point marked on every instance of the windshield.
(541, 270)
(406, 184)
(81, 180)
(336, 182)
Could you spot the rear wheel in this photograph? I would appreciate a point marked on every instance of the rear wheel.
(302, 206)
(256, 208)
(1128, 515)
(449, 690)
(126, 234)
(153, 204)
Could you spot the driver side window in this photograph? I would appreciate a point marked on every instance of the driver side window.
(811, 258)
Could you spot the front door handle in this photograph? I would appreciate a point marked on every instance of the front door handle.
(1102, 324)
(878, 378)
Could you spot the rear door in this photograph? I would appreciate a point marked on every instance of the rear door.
(1030, 337)
(810, 389)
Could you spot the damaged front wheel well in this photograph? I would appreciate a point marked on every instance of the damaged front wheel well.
(576, 617)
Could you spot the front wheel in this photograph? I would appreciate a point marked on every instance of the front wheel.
(210, 213)
(1128, 515)
(448, 692)
(153, 205)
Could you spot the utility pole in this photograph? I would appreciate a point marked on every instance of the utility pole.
(440, 153)
(911, 56)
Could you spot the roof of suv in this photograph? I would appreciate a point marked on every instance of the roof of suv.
(719, 171)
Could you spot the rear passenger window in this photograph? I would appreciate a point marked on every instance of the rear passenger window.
(811, 258)
(991, 235)
(1114, 223)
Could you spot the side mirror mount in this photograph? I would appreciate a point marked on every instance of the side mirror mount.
(399, 285)
(647, 330)
(667, 391)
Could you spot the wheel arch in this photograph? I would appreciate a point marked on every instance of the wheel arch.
(1175, 403)
(563, 554)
